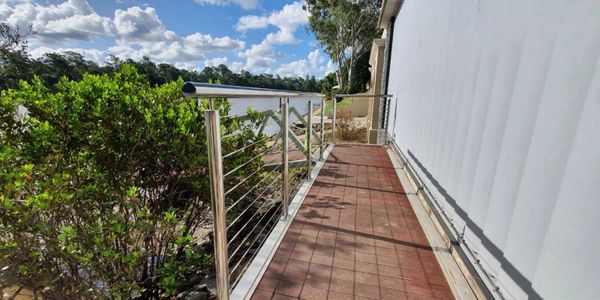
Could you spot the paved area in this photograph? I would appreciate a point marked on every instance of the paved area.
(355, 237)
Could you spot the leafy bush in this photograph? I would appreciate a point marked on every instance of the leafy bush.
(104, 187)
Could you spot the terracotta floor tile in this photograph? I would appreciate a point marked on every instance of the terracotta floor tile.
(261, 295)
(386, 251)
(388, 260)
(415, 275)
(391, 294)
(339, 273)
(283, 297)
(391, 283)
(412, 296)
(317, 282)
(366, 278)
(342, 286)
(416, 287)
(343, 263)
(442, 292)
(344, 253)
(339, 296)
(366, 290)
(365, 248)
(322, 260)
(311, 293)
(268, 284)
(273, 273)
(366, 257)
(365, 267)
(363, 298)
(390, 271)
(355, 236)
(301, 255)
(289, 288)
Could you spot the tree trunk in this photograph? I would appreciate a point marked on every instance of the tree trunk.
(350, 67)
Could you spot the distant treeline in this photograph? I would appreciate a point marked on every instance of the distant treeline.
(51, 67)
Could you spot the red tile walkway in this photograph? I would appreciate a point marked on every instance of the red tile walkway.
(355, 236)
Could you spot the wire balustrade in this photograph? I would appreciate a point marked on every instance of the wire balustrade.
(251, 196)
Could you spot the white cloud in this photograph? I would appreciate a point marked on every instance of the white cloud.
(215, 62)
(236, 66)
(137, 24)
(288, 19)
(251, 22)
(144, 27)
(331, 67)
(138, 31)
(245, 4)
(56, 24)
(186, 66)
(205, 43)
(300, 68)
(282, 37)
(94, 55)
(260, 58)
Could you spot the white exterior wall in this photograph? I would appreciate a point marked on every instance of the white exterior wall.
(498, 101)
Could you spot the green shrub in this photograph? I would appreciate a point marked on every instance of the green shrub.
(104, 187)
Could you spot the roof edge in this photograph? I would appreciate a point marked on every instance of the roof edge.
(389, 9)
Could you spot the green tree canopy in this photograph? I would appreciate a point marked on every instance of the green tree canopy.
(345, 29)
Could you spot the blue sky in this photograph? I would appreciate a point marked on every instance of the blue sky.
(261, 36)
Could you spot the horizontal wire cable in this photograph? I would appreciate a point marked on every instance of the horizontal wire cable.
(241, 214)
(245, 147)
(251, 189)
(247, 177)
(254, 255)
(247, 235)
(247, 222)
(249, 247)
(244, 180)
(246, 163)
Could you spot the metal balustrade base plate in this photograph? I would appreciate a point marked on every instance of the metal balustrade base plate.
(252, 276)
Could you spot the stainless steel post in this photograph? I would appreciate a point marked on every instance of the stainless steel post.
(215, 166)
(285, 160)
(333, 120)
(308, 141)
(322, 141)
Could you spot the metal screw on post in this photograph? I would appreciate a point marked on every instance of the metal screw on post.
(285, 127)
(308, 141)
(322, 141)
(215, 166)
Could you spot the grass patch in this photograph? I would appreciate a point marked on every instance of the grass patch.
(339, 105)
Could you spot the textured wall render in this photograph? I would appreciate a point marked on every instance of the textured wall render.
(499, 104)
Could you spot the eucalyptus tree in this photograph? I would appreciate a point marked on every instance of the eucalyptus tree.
(345, 29)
